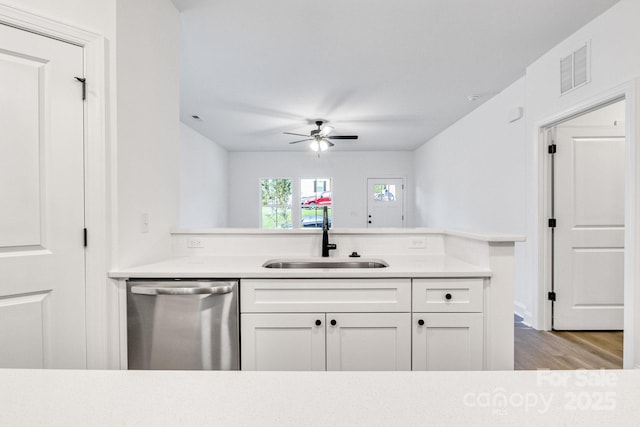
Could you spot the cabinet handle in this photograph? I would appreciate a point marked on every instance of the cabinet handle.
(318, 322)
(448, 296)
(333, 322)
(420, 322)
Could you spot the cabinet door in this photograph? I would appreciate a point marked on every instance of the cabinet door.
(283, 342)
(368, 341)
(447, 341)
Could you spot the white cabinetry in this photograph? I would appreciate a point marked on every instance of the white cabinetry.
(283, 342)
(293, 324)
(448, 324)
(368, 342)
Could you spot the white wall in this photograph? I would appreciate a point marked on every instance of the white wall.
(148, 127)
(204, 186)
(348, 170)
(615, 37)
(471, 176)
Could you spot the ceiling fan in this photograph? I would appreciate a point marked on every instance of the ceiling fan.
(320, 137)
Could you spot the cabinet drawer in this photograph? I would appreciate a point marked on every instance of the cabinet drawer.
(447, 295)
(321, 295)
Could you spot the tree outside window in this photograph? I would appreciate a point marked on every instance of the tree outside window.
(276, 203)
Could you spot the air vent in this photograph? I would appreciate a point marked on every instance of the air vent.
(575, 69)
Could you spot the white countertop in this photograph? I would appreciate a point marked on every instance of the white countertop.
(251, 267)
(202, 398)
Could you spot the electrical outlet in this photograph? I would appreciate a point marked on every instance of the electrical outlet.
(417, 242)
(195, 243)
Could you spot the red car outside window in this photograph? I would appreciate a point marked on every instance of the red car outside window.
(321, 199)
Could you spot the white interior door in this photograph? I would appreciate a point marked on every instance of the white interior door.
(589, 234)
(385, 202)
(42, 293)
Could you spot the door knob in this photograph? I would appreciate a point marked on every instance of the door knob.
(318, 322)
(333, 322)
(420, 322)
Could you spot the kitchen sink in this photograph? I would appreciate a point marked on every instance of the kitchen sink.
(289, 263)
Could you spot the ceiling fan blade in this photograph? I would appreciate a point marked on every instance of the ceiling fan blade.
(302, 140)
(343, 137)
(326, 131)
(329, 143)
(296, 134)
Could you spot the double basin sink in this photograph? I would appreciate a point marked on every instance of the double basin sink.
(293, 263)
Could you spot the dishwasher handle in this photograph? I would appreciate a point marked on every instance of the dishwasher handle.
(217, 289)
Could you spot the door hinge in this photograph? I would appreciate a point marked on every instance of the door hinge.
(552, 223)
(84, 86)
(85, 237)
(551, 296)
(552, 148)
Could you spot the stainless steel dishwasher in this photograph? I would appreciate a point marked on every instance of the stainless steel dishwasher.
(183, 324)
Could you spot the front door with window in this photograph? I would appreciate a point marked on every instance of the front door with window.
(385, 202)
(42, 258)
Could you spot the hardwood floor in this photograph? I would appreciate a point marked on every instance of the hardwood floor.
(566, 349)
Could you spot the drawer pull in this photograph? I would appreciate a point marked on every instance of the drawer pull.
(448, 296)
(420, 322)
(318, 322)
(333, 322)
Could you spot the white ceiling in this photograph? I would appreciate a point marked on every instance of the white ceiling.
(396, 73)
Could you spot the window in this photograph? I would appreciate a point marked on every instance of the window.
(384, 192)
(316, 194)
(276, 203)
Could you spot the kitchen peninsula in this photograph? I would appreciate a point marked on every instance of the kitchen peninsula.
(445, 300)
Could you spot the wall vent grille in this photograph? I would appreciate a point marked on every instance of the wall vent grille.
(575, 69)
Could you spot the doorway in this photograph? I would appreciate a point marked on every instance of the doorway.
(385, 202)
(586, 193)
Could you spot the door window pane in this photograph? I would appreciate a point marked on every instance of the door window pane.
(276, 203)
(384, 192)
(316, 194)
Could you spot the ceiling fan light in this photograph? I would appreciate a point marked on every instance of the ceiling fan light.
(326, 130)
(323, 145)
(314, 145)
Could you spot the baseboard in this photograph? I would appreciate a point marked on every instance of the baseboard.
(521, 310)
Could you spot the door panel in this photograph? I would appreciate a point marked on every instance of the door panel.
(42, 307)
(20, 110)
(369, 342)
(22, 347)
(589, 237)
(598, 182)
(594, 290)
